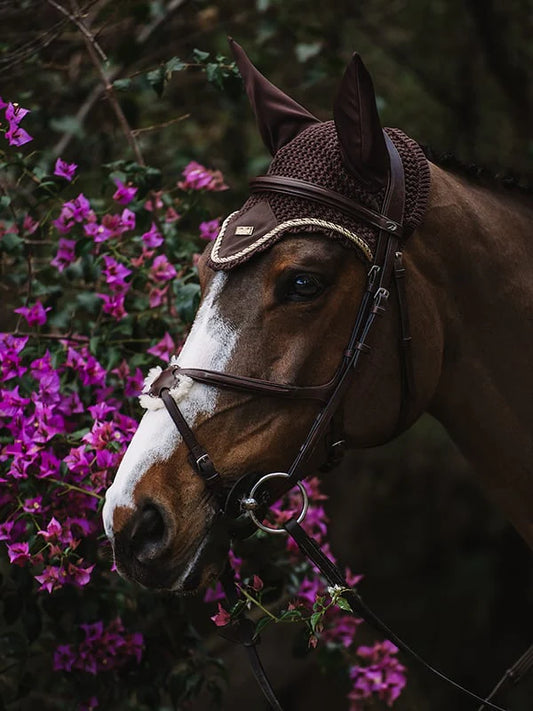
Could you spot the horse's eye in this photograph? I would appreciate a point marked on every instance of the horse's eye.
(304, 287)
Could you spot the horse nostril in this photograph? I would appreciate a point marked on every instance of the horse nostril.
(149, 539)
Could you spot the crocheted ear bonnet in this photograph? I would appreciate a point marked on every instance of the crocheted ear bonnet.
(317, 152)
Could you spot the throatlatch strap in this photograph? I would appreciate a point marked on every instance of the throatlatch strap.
(333, 575)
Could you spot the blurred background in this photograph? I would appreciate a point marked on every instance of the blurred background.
(441, 565)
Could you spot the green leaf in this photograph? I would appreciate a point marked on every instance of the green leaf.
(187, 300)
(315, 619)
(68, 125)
(343, 604)
(200, 56)
(156, 78)
(89, 301)
(122, 84)
(174, 65)
(261, 624)
(306, 51)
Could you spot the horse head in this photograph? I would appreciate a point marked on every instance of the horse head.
(281, 289)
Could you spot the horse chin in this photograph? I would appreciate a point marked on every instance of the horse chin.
(188, 576)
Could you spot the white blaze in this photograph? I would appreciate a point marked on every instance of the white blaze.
(209, 345)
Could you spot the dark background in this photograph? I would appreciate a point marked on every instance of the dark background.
(441, 565)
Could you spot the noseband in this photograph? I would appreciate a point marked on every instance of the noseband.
(250, 495)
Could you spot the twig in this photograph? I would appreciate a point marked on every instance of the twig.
(50, 336)
(97, 56)
(137, 131)
(79, 24)
(143, 36)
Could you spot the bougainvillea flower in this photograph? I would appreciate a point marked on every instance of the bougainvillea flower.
(114, 305)
(127, 220)
(15, 113)
(79, 208)
(65, 222)
(29, 225)
(65, 254)
(115, 274)
(222, 617)
(35, 315)
(17, 136)
(171, 215)
(53, 530)
(52, 578)
(19, 553)
(124, 194)
(164, 349)
(99, 233)
(209, 230)
(197, 177)
(162, 270)
(64, 657)
(64, 169)
(157, 296)
(153, 237)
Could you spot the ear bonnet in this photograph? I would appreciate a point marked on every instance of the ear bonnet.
(345, 161)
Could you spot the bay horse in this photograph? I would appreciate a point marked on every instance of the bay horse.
(281, 288)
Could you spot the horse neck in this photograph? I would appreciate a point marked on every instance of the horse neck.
(476, 250)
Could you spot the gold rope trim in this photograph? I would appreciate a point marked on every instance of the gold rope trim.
(298, 222)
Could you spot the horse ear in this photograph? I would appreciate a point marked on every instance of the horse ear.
(359, 131)
(279, 117)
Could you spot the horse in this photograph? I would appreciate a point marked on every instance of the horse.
(282, 286)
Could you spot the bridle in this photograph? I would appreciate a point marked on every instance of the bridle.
(387, 265)
(250, 495)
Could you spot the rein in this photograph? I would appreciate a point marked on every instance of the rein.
(250, 496)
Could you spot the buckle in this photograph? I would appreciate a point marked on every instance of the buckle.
(380, 301)
(372, 275)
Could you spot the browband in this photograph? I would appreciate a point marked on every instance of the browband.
(310, 191)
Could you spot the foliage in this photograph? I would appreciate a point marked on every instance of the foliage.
(105, 283)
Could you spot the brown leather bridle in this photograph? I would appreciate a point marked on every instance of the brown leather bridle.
(387, 265)
(239, 503)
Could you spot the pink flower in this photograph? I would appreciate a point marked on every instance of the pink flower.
(52, 578)
(209, 230)
(19, 553)
(115, 274)
(99, 233)
(153, 237)
(222, 617)
(79, 208)
(124, 194)
(257, 583)
(162, 270)
(79, 576)
(199, 178)
(17, 136)
(164, 349)
(127, 220)
(65, 254)
(15, 113)
(34, 315)
(29, 225)
(114, 305)
(64, 658)
(53, 530)
(64, 169)
(157, 296)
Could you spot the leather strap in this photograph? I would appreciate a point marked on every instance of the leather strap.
(333, 575)
(310, 191)
(242, 630)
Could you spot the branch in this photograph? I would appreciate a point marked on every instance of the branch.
(79, 24)
(143, 36)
